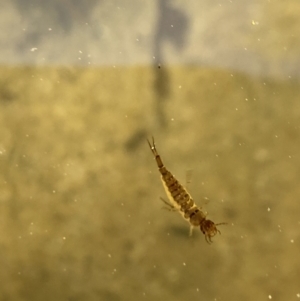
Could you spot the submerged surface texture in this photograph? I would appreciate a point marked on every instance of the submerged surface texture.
(80, 212)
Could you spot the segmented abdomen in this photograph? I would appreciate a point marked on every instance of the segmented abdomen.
(181, 198)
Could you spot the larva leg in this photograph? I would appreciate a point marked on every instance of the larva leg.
(169, 206)
(188, 178)
(191, 231)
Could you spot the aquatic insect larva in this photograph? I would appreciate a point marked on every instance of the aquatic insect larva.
(181, 200)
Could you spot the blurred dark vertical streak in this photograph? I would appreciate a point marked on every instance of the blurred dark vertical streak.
(171, 26)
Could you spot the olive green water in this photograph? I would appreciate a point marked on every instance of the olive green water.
(80, 215)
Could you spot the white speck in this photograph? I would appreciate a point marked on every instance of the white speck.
(197, 289)
(33, 49)
(292, 241)
(236, 109)
(179, 87)
(279, 228)
(184, 264)
(290, 157)
(246, 99)
(30, 233)
(245, 48)
(276, 136)
(172, 119)
(269, 209)
(80, 51)
(64, 238)
(137, 40)
(54, 191)
(172, 25)
(298, 295)
(270, 297)
(49, 28)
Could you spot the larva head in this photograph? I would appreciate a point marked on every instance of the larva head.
(209, 229)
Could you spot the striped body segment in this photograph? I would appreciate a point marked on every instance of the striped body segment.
(181, 200)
